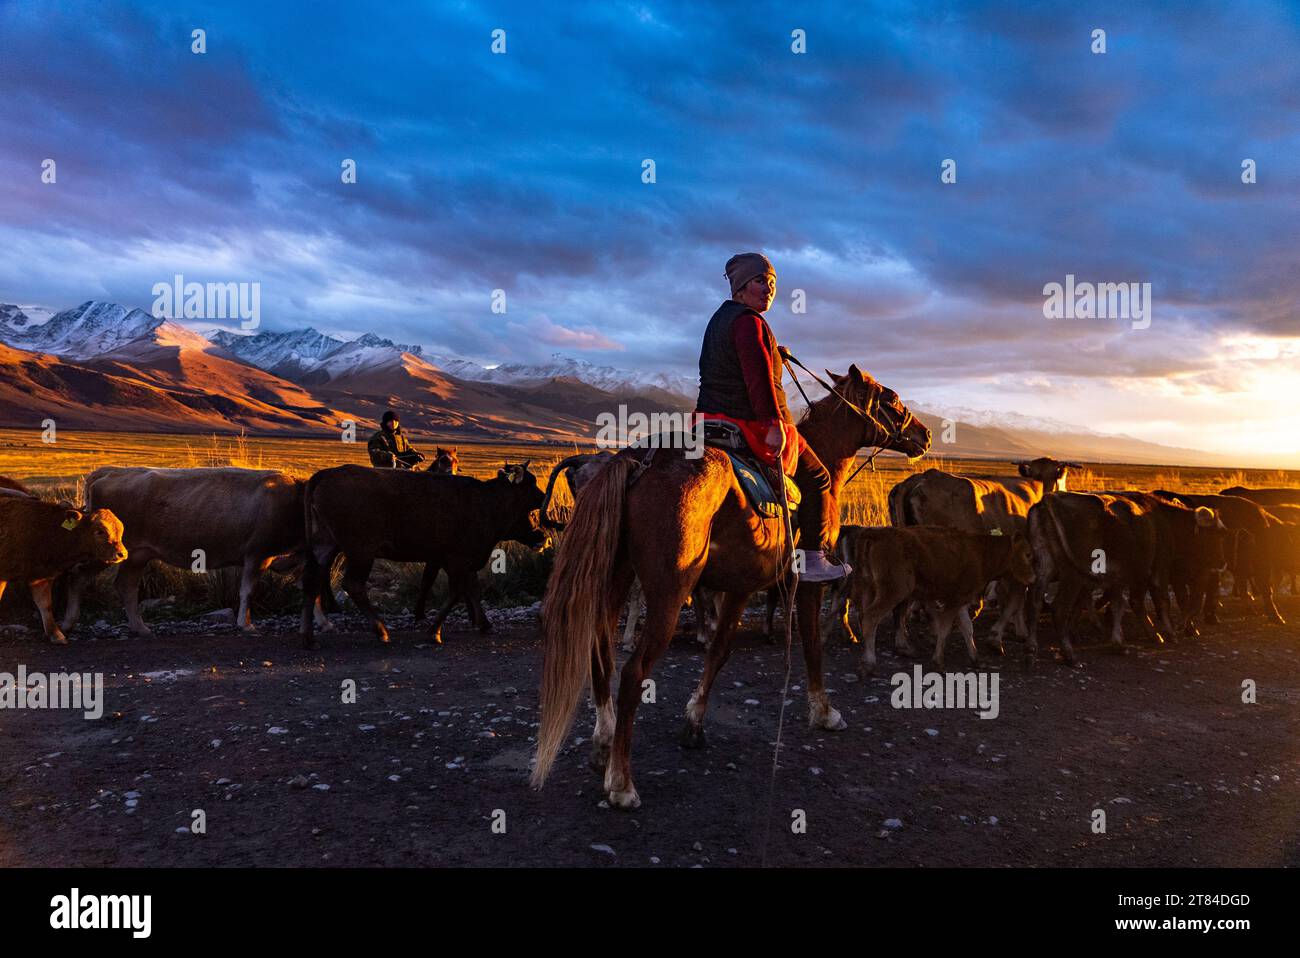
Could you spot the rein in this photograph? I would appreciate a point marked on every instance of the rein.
(893, 432)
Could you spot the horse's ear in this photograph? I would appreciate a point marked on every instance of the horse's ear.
(856, 373)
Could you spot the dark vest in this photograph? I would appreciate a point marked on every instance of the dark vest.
(722, 380)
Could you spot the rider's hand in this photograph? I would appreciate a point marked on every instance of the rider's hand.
(775, 438)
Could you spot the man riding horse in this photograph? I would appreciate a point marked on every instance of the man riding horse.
(740, 382)
(676, 521)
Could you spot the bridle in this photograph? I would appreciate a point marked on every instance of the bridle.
(893, 426)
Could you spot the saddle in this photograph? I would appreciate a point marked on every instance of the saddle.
(757, 479)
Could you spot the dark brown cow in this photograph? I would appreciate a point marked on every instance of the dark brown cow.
(1262, 545)
(1289, 564)
(12, 487)
(41, 540)
(945, 569)
(450, 521)
(1126, 544)
(1265, 497)
(1193, 549)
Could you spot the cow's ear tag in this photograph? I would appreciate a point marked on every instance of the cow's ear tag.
(516, 476)
(69, 523)
(996, 532)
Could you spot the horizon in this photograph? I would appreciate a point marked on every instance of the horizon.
(523, 172)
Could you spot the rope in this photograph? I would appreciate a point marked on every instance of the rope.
(788, 600)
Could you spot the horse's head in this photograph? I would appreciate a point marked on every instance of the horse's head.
(445, 462)
(889, 424)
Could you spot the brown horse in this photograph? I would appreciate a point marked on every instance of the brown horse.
(684, 522)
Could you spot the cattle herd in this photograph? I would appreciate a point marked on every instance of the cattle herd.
(954, 543)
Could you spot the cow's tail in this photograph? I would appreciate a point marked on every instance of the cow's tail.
(575, 611)
(1047, 505)
(900, 495)
(559, 467)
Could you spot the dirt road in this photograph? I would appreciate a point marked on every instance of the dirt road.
(252, 731)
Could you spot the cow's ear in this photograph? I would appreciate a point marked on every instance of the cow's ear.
(71, 519)
(524, 467)
(1023, 469)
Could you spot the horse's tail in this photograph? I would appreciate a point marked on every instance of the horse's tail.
(575, 611)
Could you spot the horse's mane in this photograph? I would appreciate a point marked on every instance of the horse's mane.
(837, 381)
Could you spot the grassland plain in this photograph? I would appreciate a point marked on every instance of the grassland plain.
(58, 469)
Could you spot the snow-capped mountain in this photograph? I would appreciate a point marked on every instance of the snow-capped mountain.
(608, 378)
(88, 331)
(1002, 420)
(310, 355)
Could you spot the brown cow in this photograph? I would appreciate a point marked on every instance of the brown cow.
(41, 540)
(978, 504)
(945, 569)
(196, 519)
(450, 521)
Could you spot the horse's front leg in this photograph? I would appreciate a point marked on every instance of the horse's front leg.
(808, 604)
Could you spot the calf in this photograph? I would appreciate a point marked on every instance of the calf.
(979, 504)
(945, 569)
(220, 516)
(40, 540)
(451, 521)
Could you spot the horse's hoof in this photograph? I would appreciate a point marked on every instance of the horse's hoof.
(692, 736)
(866, 670)
(831, 721)
(1029, 660)
(626, 799)
(58, 638)
(310, 642)
(436, 635)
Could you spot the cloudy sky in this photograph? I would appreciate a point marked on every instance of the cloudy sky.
(523, 172)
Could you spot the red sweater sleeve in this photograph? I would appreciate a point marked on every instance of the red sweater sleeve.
(756, 364)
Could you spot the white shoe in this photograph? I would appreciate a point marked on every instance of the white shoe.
(818, 567)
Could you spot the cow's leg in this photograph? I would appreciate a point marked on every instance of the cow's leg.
(902, 643)
(1011, 604)
(635, 603)
(942, 619)
(602, 669)
(252, 571)
(836, 621)
(77, 580)
(43, 595)
(1063, 614)
(1263, 583)
(1034, 600)
(719, 649)
(128, 587)
(427, 578)
(870, 608)
(663, 607)
(475, 601)
(968, 633)
(355, 576)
